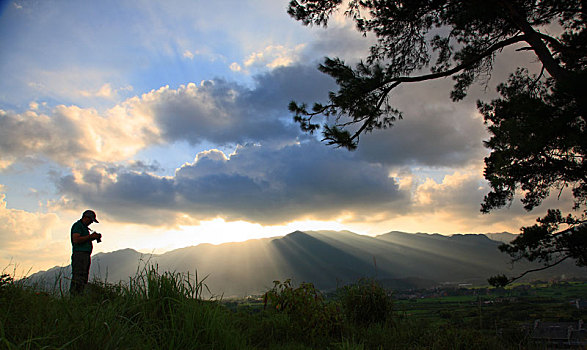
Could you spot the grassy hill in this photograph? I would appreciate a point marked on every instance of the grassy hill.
(168, 311)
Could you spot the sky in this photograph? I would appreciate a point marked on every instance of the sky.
(170, 120)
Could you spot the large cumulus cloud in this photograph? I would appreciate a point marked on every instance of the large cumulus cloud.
(223, 112)
(256, 183)
(70, 134)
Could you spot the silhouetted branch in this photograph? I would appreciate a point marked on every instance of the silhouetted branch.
(503, 280)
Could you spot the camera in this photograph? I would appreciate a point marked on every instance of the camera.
(99, 239)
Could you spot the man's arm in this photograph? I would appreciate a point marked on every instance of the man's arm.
(78, 238)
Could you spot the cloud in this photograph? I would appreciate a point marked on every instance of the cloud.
(340, 39)
(214, 111)
(25, 237)
(272, 185)
(274, 56)
(106, 91)
(188, 54)
(302, 83)
(434, 131)
(460, 191)
(72, 134)
(80, 85)
(19, 227)
(235, 67)
(255, 183)
(204, 53)
(452, 204)
(276, 175)
(219, 112)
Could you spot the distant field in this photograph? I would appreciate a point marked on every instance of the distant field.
(514, 305)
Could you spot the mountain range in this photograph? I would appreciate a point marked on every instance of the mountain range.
(327, 259)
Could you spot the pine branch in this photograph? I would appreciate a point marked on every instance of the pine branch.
(510, 280)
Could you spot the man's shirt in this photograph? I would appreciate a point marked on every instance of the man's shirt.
(83, 230)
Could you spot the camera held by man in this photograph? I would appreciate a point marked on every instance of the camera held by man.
(99, 238)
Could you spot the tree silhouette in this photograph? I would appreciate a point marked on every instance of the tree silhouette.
(538, 126)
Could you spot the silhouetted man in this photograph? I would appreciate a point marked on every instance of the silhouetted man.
(81, 243)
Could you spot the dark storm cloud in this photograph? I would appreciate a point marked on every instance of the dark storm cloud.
(258, 184)
(223, 112)
(278, 87)
(214, 112)
(434, 130)
(300, 180)
(132, 197)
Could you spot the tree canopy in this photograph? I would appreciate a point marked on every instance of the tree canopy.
(538, 124)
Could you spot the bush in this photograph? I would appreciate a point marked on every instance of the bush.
(305, 305)
(365, 302)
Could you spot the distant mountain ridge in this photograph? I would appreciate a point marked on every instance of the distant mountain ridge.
(326, 258)
(504, 237)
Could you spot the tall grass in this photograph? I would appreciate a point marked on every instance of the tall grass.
(166, 310)
(153, 311)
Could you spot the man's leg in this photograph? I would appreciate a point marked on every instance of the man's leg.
(80, 270)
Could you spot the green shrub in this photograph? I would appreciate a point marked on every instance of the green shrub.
(306, 307)
(365, 302)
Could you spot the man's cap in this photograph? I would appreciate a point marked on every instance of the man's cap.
(91, 215)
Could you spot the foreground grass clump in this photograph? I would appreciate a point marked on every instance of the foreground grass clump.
(154, 311)
(167, 311)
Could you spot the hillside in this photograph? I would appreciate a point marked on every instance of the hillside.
(326, 258)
